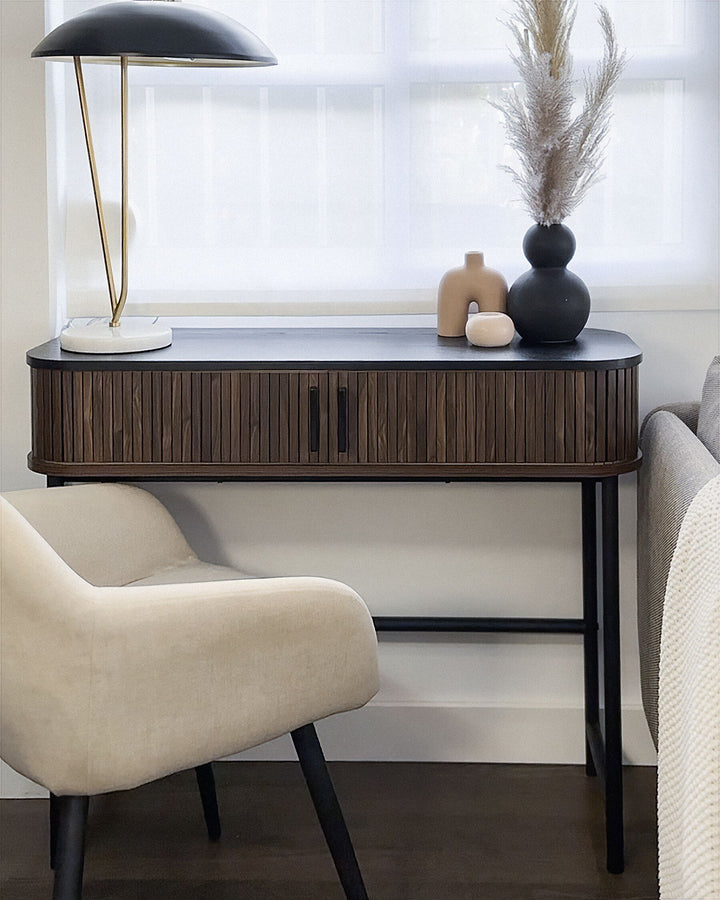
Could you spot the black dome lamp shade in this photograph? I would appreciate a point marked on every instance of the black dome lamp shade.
(139, 32)
(156, 32)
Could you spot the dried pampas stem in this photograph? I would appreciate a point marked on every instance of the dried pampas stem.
(560, 156)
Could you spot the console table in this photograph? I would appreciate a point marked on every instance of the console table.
(372, 404)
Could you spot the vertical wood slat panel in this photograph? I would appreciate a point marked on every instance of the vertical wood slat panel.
(412, 409)
(450, 417)
(362, 417)
(590, 401)
(235, 416)
(393, 416)
(421, 426)
(35, 401)
(510, 417)
(273, 418)
(520, 412)
(603, 422)
(333, 417)
(226, 422)
(622, 448)
(313, 456)
(494, 424)
(107, 416)
(612, 417)
(372, 417)
(559, 422)
(402, 417)
(630, 410)
(304, 421)
(123, 401)
(569, 442)
(351, 382)
(548, 427)
(56, 413)
(173, 402)
(474, 413)
(431, 417)
(87, 416)
(67, 416)
(293, 417)
(136, 416)
(285, 420)
(460, 417)
(579, 414)
(392, 420)
(215, 417)
(382, 416)
(528, 387)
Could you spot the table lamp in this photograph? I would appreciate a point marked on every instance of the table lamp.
(145, 33)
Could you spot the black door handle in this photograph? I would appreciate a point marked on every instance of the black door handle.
(314, 420)
(342, 420)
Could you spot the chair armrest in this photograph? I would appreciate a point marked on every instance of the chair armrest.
(183, 674)
(687, 411)
(676, 465)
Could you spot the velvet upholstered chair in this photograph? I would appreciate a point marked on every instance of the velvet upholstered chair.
(126, 658)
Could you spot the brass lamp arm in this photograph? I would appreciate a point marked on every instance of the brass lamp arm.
(116, 304)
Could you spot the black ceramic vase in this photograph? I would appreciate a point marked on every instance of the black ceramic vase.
(548, 304)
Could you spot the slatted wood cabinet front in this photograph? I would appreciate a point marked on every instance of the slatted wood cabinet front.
(293, 422)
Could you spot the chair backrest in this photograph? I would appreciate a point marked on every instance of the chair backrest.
(110, 534)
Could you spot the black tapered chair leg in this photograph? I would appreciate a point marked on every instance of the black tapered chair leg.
(328, 811)
(53, 828)
(70, 850)
(208, 795)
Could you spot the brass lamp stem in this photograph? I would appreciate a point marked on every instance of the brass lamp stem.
(116, 304)
(95, 182)
(117, 312)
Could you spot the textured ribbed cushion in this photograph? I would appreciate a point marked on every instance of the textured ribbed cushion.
(676, 465)
(708, 429)
(689, 723)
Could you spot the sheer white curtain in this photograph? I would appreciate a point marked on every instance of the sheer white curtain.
(352, 175)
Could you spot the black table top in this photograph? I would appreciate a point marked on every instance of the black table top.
(347, 348)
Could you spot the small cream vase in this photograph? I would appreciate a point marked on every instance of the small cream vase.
(474, 282)
(490, 329)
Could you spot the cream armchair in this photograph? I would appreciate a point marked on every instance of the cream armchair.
(126, 658)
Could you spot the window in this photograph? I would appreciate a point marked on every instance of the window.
(352, 175)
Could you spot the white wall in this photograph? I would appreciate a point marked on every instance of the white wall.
(477, 549)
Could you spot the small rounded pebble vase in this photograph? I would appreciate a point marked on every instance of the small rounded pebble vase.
(473, 282)
(490, 329)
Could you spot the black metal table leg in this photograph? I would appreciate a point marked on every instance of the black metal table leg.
(72, 819)
(590, 617)
(611, 664)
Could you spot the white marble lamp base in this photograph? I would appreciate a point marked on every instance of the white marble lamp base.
(133, 335)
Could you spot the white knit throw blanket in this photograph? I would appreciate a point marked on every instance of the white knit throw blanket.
(689, 709)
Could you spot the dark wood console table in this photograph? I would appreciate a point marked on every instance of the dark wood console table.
(373, 404)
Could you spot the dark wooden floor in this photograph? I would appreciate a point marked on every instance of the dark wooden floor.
(434, 831)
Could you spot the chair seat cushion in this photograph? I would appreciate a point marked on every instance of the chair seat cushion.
(191, 572)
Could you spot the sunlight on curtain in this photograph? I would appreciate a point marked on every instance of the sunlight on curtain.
(363, 166)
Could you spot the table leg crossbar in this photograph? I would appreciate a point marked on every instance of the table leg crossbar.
(603, 754)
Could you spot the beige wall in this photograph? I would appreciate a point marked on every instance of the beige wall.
(483, 549)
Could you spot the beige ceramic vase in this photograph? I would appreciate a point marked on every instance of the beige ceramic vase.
(460, 287)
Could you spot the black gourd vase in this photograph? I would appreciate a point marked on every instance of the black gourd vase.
(548, 304)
